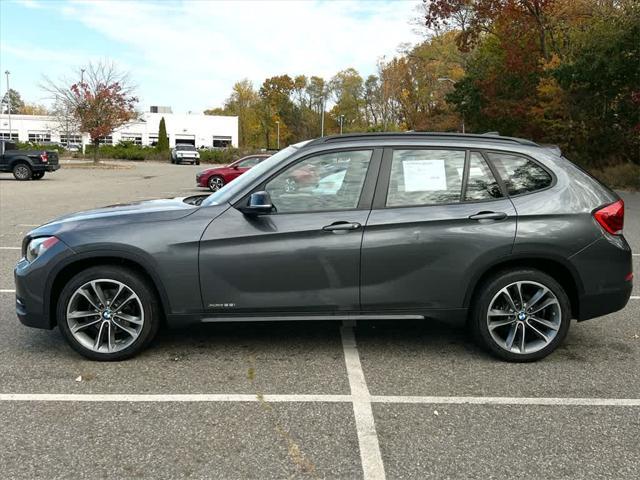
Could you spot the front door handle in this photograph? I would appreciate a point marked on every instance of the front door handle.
(341, 226)
(488, 216)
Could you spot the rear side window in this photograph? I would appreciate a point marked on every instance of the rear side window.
(425, 177)
(520, 175)
(481, 184)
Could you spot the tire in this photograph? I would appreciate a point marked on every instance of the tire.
(198, 162)
(543, 330)
(22, 171)
(37, 175)
(134, 327)
(215, 183)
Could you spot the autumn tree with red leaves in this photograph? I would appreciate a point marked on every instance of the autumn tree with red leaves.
(102, 101)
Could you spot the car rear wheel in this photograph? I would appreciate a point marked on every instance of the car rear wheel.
(22, 171)
(37, 175)
(108, 313)
(216, 183)
(521, 315)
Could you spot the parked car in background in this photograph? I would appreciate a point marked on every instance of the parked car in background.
(27, 164)
(218, 177)
(185, 154)
(499, 231)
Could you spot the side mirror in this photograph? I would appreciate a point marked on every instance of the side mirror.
(259, 204)
(235, 167)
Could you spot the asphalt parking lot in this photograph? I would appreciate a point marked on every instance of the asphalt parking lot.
(303, 400)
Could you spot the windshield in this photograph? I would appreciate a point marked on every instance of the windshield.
(185, 147)
(230, 189)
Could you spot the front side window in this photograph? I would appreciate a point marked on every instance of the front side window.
(425, 177)
(481, 184)
(249, 162)
(520, 175)
(331, 181)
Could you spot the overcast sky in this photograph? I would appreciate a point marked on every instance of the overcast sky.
(188, 54)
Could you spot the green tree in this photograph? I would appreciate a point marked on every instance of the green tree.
(163, 139)
(12, 98)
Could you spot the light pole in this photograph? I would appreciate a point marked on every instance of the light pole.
(453, 82)
(278, 128)
(322, 117)
(341, 122)
(81, 76)
(7, 73)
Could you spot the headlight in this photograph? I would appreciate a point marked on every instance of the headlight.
(38, 246)
(197, 155)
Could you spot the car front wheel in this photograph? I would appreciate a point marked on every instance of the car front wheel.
(216, 183)
(521, 315)
(108, 313)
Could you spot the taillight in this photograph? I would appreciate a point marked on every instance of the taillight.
(611, 217)
(44, 156)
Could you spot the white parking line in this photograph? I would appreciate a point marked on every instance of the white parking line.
(160, 398)
(400, 399)
(10, 248)
(558, 401)
(372, 465)
(634, 297)
(6, 290)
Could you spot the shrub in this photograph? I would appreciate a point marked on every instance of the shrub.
(625, 176)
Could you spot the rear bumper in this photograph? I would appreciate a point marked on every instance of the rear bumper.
(46, 168)
(605, 269)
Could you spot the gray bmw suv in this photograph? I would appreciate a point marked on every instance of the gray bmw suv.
(501, 232)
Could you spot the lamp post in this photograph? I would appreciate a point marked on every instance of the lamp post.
(81, 76)
(7, 73)
(453, 82)
(341, 123)
(322, 117)
(278, 129)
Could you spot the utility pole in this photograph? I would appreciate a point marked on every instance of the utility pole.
(341, 122)
(81, 76)
(7, 72)
(278, 129)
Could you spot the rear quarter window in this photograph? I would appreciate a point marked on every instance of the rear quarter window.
(520, 174)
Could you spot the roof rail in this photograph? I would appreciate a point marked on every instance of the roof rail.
(431, 135)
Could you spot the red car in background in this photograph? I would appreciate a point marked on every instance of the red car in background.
(216, 178)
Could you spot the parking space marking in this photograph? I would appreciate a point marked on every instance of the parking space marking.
(553, 401)
(163, 398)
(370, 455)
(7, 290)
(10, 248)
(635, 297)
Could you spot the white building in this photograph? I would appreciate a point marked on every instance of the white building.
(195, 129)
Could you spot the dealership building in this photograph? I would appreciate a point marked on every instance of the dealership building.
(202, 131)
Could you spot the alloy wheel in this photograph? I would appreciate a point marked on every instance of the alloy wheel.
(216, 183)
(105, 315)
(22, 172)
(524, 317)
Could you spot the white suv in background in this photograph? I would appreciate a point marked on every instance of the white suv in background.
(184, 154)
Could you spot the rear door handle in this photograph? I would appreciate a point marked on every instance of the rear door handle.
(488, 216)
(341, 226)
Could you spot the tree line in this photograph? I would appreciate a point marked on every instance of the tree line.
(565, 73)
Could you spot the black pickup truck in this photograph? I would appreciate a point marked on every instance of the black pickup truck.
(26, 164)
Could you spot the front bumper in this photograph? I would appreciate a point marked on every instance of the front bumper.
(202, 180)
(34, 282)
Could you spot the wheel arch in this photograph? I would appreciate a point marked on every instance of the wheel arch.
(77, 264)
(559, 269)
(20, 159)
